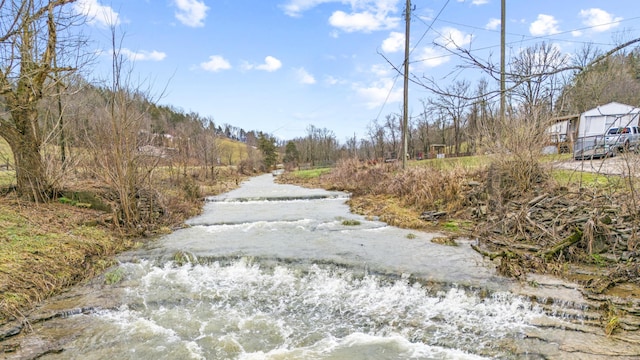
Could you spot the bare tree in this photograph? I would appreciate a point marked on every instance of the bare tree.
(352, 147)
(492, 70)
(454, 105)
(377, 137)
(227, 152)
(392, 124)
(481, 124)
(117, 142)
(28, 44)
(535, 73)
(612, 79)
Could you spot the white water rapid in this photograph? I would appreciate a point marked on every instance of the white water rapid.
(274, 271)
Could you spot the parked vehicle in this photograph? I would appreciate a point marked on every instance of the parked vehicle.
(595, 124)
(623, 138)
(597, 152)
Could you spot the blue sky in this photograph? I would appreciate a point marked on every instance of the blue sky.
(279, 66)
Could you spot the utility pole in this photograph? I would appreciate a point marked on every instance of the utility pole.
(405, 106)
(503, 17)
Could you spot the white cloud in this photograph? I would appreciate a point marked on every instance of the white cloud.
(362, 21)
(296, 7)
(394, 43)
(363, 15)
(143, 55)
(216, 63)
(191, 12)
(476, 2)
(330, 80)
(493, 24)
(544, 25)
(96, 13)
(304, 77)
(381, 70)
(271, 64)
(431, 57)
(576, 33)
(452, 38)
(599, 19)
(379, 93)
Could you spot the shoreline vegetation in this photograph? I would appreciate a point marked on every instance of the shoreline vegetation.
(48, 247)
(528, 217)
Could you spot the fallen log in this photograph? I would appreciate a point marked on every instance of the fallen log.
(565, 243)
(503, 254)
(537, 199)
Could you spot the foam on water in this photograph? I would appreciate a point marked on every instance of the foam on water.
(245, 310)
(308, 288)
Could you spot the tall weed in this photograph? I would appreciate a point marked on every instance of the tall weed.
(422, 188)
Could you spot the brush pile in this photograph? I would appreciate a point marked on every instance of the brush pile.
(536, 225)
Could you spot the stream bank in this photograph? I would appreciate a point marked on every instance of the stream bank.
(520, 218)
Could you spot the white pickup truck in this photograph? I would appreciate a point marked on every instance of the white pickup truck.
(623, 138)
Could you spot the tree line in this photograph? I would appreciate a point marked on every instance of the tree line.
(59, 124)
(462, 117)
(63, 128)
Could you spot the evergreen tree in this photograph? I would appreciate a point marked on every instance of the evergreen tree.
(291, 153)
(267, 145)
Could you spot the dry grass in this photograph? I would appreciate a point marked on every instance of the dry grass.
(388, 209)
(47, 247)
(418, 188)
(398, 197)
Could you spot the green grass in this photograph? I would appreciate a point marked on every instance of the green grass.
(114, 276)
(311, 173)
(571, 178)
(49, 250)
(7, 178)
(5, 150)
(556, 157)
(451, 226)
(347, 222)
(476, 161)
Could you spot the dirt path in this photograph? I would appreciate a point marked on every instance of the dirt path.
(623, 164)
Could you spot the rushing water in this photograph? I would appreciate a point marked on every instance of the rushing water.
(274, 272)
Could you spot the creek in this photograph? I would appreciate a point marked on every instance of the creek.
(272, 271)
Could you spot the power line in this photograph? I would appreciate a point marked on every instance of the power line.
(528, 38)
(430, 26)
(544, 36)
(395, 79)
(410, 52)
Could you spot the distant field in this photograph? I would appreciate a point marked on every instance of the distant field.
(7, 178)
(311, 173)
(231, 152)
(475, 161)
(5, 150)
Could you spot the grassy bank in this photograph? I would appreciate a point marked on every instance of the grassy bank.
(44, 248)
(527, 215)
(47, 247)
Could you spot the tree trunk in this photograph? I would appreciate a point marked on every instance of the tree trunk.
(25, 143)
(31, 179)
